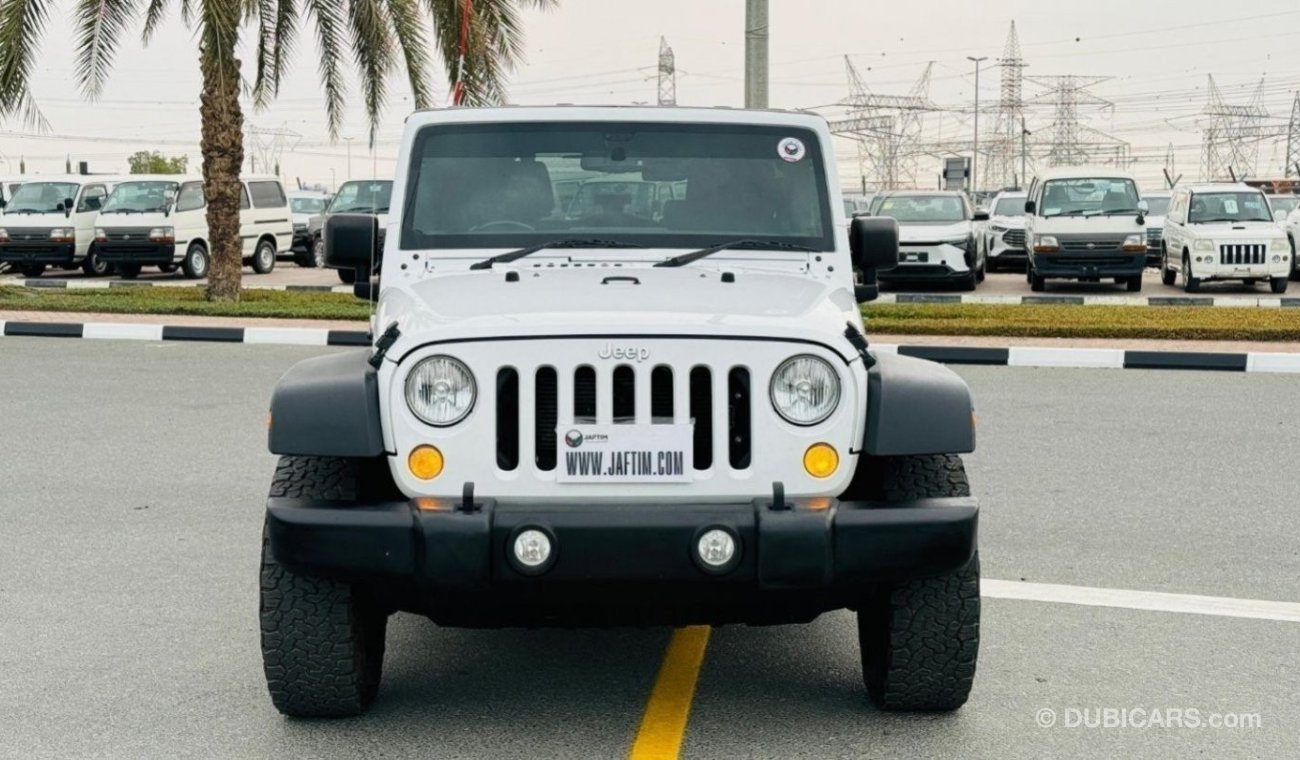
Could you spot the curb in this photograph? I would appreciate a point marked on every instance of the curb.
(1263, 302)
(1012, 356)
(46, 283)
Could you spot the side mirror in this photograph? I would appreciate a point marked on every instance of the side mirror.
(873, 241)
(1144, 207)
(350, 241)
(981, 216)
(3, 203)
(68, 203)
(1031, 208)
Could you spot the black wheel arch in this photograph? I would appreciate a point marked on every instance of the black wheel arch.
(915, 407)
(327, 406)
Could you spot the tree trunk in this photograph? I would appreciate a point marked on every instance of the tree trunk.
(223, 156)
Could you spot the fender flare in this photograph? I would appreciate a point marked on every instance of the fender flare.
(915, 407)
(327, 406)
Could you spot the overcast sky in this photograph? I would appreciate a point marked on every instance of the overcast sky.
(1157, 54)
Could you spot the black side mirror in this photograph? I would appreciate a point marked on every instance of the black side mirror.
(1031, 208)
(981, 216)
(67, 206)
(873, 241)
(350, 243)
(3, 203)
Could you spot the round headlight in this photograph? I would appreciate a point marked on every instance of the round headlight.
(805, 390)
(440, 390)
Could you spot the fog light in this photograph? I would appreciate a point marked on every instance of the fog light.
(820, 460)
(532, 550)
(425, 462)
(716, 548)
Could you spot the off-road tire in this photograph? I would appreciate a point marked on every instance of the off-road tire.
(920, 639)
(263, 261)
(322, 640)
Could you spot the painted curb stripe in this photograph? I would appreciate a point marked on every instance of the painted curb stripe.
(957, 354)
(214, 334)
(1180, 301)
(663, 726)
(1265, 362)
(1184, 360)
(117, 331)
(348, 338)
(1052, 300)
(44, 329)
(47, 284)
(292, 336)
(1153, 601)
(1027, 356)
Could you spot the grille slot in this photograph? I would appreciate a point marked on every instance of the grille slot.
(507, 418)
(1241, 253)
(1101, 246)
(1014, 238)
(738, 401)
(547, 416)
(701, 406)
(661, 394)
(1154, 236)
(584, 395)
(624, 394)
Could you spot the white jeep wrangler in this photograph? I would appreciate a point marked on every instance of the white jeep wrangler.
(1223, 232)
(652, 406)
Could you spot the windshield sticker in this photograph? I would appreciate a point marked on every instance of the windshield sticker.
(791, 149)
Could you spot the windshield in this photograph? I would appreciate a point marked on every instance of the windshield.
(370, 196)
(1284, 203)
(1089, 197)
(140, 197)
(1010, 207)
(923, 208)
(1157, 205)
(312, 205)
(41, 197)
(645, 184)
(1229, 207)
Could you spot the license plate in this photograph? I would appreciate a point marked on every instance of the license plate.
(917, 257)
(624, 454)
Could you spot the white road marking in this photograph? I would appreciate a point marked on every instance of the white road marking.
(1272, 362)
(1029, 356)
(293, 336)
(1155, 601)
(121, 331)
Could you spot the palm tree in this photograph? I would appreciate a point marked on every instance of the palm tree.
(382, 36)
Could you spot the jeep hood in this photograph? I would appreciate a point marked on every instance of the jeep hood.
(689, 300)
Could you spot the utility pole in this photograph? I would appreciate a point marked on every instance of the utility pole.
(975, 154)
(756, 53)
(667, 75)
(349, 140)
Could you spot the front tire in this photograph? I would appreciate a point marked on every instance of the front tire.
(1134, 283)
(1167, 275)
(347, 276)
(128, 271)
(93, 266)
(322, 640)
(196, 262)
(1037, 282)
(1190, 284)
(920, 639)
(31, 270)
(1278, 285)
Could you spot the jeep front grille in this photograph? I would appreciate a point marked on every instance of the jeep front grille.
(620, 383)
(1241, 253)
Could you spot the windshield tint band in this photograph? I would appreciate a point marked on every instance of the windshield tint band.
(667, 185)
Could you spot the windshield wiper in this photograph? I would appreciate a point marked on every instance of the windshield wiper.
(508, 256)
(1072, 212)
(687, 258)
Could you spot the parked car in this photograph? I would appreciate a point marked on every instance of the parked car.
(1005, 239)
(304, 205)
(50, 221)
(1087, 225)
(1291, 223)
(941, 237)
(1224, 232)
(358, 196)
(175, 233)
(1157, 206)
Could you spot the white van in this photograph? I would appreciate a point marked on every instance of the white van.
(50, 221)
(135, 231)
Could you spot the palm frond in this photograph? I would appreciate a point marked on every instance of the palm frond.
(373, 53)
(100, 26)
(286, 31)
(153, 15)
(265, 82)
(21, 24)
(328, 18)
(496, 44)
(408, 25)
(187, 12)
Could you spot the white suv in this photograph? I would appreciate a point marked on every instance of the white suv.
(940, 237)
(1223, 232)
(1005, 240)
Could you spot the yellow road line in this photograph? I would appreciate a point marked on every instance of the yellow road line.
(664, 724)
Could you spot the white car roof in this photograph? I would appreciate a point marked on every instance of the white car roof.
(1223, 187)
(1011, 194)
(1157, 193)
(1084, 172)
(157, 178)
(80, 179)
(922, 193)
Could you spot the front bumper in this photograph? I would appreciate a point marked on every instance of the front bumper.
(1081, 264)
(301, 241)
(143, 252)
(38, 253)
(438, 551)
(928, 261)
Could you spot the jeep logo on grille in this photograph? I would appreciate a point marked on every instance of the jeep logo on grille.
(633, 353)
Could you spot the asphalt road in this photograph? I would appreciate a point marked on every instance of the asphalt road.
(130, 512)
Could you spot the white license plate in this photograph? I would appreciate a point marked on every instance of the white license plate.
(624, 454)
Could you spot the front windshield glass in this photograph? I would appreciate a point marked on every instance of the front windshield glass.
(1010, 207)
(309, 205)
(1284, 203)
(370, 196)
(1092, 196)
(41, 197)
(646, 184)
(140, 197)
(1157, 205)
(923, 208)
(1229, 207)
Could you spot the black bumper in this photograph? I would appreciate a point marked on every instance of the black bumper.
(38, 253)
(821, 554)
(908, 272)
(1078, 264)
(301, 241)
(136, 253)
